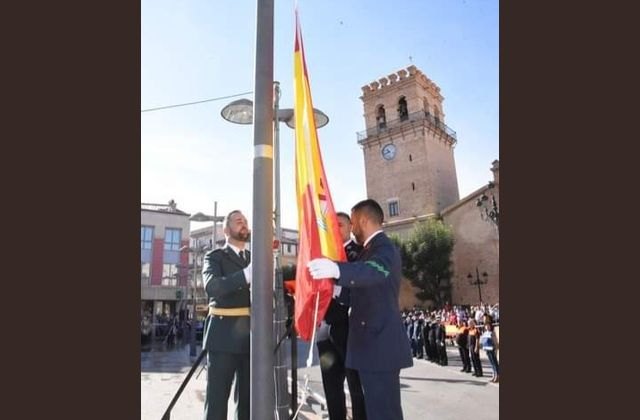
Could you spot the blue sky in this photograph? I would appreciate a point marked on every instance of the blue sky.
(195, 49)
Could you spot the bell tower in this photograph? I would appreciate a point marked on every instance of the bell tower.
(408, 149)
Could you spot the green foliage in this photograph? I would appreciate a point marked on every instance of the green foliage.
(426, 260)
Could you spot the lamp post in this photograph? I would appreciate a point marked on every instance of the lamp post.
(194, 318)
(489, 208)
(201, 217)
(241, 112)
(478, 282)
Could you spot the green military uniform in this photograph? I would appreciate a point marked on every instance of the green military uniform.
(226, 337)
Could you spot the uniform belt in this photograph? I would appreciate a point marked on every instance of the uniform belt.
(229, 311)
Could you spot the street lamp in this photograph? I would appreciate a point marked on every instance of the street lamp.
(488, 211)
(201, 217)
(478, 282)
(192, 338)
(241, 112)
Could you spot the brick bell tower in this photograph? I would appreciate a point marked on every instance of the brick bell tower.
(408, 149)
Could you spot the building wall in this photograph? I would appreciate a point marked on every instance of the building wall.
(442, 172)
(476, 245)
(160, 221)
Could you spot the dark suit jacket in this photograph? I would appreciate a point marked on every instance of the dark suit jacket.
(337, 315)
(377, 339)
(338, 311)
(226, 287)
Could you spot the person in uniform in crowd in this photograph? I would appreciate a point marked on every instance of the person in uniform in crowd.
(227, 280)
(407, 326)
(474, 348)
(421, 338)
(431, 341)
(332, 343)
(376, 345)
(413, 335)
(441, 342)
(462, 341)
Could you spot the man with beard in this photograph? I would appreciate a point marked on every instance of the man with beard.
(332, 343)
(227, 280)
(377, 345)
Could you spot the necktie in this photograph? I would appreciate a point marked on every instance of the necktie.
(243, 257)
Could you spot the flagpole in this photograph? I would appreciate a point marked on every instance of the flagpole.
(280, 310)
(262, 359)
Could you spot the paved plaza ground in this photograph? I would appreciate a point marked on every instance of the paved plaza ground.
(428, 391)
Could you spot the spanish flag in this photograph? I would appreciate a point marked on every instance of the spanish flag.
(317, 223)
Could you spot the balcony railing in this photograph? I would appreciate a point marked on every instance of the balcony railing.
(391, 127)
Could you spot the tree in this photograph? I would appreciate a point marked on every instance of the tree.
(426, 260)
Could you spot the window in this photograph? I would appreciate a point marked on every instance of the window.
(146, 237)
(169, 274)
(172, 239)
(145, 271)
(403, 111)
(394, 209)
(289, 249)
(381, 117)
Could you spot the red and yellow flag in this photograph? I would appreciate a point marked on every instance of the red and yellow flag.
(317, 223)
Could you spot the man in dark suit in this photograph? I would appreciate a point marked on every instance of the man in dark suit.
(332, 343)
(441, 342)
(377, 345)
(227, 278)
(432, 351)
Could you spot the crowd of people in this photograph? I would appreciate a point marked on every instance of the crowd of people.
(470, 329)
(168, 327)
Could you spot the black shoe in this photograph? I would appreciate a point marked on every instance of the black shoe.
(463, 370)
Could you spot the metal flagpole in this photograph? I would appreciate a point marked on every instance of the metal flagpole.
(279, 323)
(262, 380)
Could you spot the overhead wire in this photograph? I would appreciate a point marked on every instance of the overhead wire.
(196, 102)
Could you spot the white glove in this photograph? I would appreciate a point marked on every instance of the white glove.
(247, 273)
(323, 268)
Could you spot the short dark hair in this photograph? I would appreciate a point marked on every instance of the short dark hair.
(344, 215)
(371, 209)
(227, 219)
